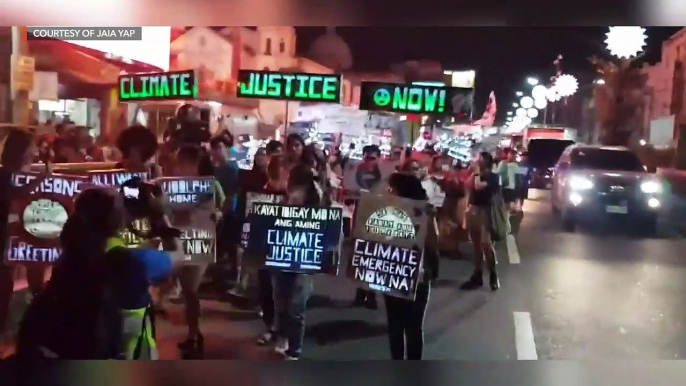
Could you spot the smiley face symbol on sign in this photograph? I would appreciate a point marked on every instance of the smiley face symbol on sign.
(382, 97)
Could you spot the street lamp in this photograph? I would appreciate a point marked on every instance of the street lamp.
(566, 85)
(527, 102)
(540, 103)
(509, 113)
(532, 113)
(521, 112)
(538, 92)
(515, 105)
(626, 42)
(519, 93)
(532, 81)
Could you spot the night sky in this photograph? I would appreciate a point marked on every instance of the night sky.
(502, 56)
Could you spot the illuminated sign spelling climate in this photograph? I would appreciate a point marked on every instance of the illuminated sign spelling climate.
(302, 87)
(415, 98)
(158, 86)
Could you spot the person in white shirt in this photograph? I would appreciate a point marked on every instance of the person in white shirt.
(507, 171)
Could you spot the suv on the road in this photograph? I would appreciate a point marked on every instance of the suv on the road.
(591, 181)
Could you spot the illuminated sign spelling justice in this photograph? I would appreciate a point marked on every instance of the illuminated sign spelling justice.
(159, 86)
(415, 98)
(302, 87)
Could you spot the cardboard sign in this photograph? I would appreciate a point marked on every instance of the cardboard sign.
(114, 179)
(388, 244)
(192, 206)
(250, 198)
(296, 239)
(36, 220)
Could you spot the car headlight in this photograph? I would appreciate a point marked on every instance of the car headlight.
(651, 187)
(580, 183)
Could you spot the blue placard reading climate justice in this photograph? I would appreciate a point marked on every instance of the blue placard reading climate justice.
(295, 238)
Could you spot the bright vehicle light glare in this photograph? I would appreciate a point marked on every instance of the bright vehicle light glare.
(532, 81)
(642, 142)
(527, 102)
(580, 183)
(651, 187)
(575, 198)
(653, 202)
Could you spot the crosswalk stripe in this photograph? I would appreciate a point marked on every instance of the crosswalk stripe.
(524, 337)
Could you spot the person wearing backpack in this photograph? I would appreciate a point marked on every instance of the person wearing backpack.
(482, 186)
(98, 293)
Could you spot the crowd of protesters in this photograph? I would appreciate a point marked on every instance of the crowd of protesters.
(89, 284)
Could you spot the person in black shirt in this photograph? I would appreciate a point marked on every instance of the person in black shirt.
(481, 186)
(17, 155)
(405, 317)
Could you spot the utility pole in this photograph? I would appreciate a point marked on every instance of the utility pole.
(21, 77)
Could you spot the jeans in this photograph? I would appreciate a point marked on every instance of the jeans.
(291, 292)
(266, 293)
(405, 319)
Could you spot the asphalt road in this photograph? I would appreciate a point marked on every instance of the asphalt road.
(589, 295)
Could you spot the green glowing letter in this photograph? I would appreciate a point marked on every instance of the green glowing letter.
(123, 93)
(175, 84)
(261, 84)
(288, 92)
(164, 86)
(274, 86)
(185, 85)
(414, 102)
(313, 89)
(302, 84)
(430, 98)
(329, 88)
(400, 98)
(249, 89)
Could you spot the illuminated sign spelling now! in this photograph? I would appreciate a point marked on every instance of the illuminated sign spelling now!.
(323, 88)
(415, 98)
(158, 86)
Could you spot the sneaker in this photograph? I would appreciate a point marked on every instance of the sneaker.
(281, 346)
(290, 358)
(266, 338)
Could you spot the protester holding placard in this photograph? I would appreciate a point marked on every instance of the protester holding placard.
(405, 317)
(18, 153)
(481, 187)
(190, 275)
(292, 290)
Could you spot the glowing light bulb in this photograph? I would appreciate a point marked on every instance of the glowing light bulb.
(626, 41)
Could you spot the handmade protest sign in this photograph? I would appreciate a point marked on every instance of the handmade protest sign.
(115, 178)
(36, 220)
(295, 238)
(192, 205)
(250, 198)
(388, 244)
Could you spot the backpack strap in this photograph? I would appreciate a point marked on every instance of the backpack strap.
(148, 314)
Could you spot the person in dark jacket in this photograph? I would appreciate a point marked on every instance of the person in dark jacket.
(405, 318)
(368, 173)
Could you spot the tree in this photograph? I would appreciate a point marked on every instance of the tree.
(619, 101)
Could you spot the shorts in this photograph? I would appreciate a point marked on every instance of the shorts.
(510, 195)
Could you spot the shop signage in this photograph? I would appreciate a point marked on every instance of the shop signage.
(159, 86)
(388, 244)
(302, 87)
(415, 98)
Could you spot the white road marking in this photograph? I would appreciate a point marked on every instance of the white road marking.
(524, 337)
(512, 251)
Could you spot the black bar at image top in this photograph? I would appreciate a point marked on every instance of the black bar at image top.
(302, 87)
(415, 99)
